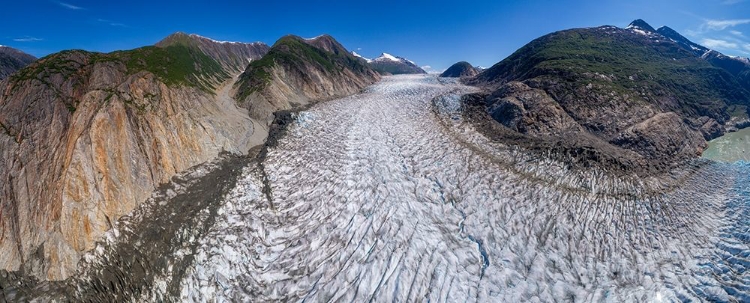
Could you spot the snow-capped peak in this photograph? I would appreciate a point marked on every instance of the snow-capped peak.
(355, 54)
(387, 56)
(741, 59)
(313, 38)
(215, 41)
(639, 24)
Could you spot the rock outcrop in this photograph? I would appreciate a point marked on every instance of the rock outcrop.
(529, 111)
(86, 137)
(460, 70)
(644, 94)
(297, 72)
(12, 60)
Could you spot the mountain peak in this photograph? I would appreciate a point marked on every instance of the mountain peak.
(390, 64)
(186, 39)
(640, 24)
(459, 70)
(327, 43)
(387, 56)
(12, 59)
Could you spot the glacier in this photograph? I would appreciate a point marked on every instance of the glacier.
(391, 195)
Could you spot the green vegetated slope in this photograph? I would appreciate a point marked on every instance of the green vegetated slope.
(174, 65)
(460, 69)
(653, 70)
(296, 54)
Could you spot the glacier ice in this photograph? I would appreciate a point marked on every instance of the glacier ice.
(390, 196)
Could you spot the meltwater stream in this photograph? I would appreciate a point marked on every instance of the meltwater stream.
(390, 195)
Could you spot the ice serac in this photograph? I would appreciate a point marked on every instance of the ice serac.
(12, 60)
(297, 72)
(460, 69)
(86, 137)
(643, 98)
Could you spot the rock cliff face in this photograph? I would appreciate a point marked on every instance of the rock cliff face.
(12, 60)
(86, 137)
(632, 93)
(297, 72)
(459, 70)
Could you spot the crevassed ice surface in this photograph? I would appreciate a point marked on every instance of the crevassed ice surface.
(389, 195)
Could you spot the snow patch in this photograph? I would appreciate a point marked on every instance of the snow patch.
(741, 59)
(638, 30)
(314, 38)
(217, 41)
(355, 54)
(387, 56)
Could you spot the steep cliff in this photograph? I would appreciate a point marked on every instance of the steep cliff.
(297, 72)
(86, 137)
(12, 60)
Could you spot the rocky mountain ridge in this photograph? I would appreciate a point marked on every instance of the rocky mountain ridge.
(297, 72)
(232, 56)
(631, 93)
(12, 60)
(388, 64)
(86, 137)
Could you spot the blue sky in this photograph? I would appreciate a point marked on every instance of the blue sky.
(435, 33)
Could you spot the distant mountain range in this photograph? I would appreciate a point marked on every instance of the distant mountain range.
(387, 64)
(634, 96)
(12, 60)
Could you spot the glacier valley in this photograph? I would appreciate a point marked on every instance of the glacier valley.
(391, 195)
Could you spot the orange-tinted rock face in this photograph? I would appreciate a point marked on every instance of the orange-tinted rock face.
(79, 150)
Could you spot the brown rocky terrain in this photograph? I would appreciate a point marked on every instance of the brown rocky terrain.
(86, 137)
(629, 96)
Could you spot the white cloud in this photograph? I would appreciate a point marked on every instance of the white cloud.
(737, 33)
(69, 6)
(747, 46)
(27, 39)
(718, 25)
(111, 23)
(719, 44)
